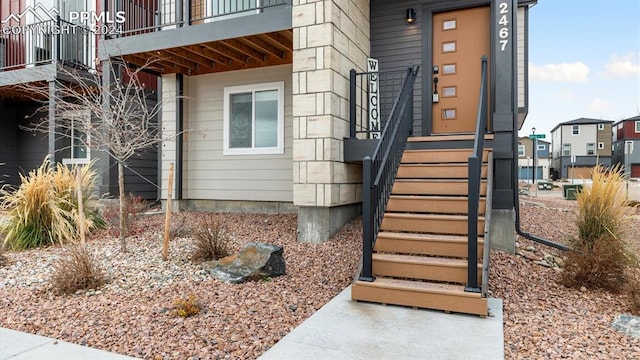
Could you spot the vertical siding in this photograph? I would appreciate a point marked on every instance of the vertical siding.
(604, 136)
(398, 45)
(208, 174)
(521, 42)
(8, 146)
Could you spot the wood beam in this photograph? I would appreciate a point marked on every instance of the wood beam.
(220, 48)
(278, 41)
(200, 50)
(246, 49)
(198, 60)
(255, 41)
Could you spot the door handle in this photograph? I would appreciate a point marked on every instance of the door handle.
(435, 98)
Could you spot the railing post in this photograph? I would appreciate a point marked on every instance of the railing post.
(352, 104)
(367, 222)
(472, 221)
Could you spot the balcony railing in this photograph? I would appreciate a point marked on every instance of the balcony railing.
(144, 16)
(47, 41)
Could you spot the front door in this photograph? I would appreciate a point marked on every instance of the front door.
(460, 39)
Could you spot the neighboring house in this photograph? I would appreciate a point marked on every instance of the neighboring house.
(626, 145)
(587, 141)
(525, 159)
(38, 36)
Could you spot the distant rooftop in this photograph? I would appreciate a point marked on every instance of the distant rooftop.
(635, 118)
(582, 121)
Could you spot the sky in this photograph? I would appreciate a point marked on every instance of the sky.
(584, 61)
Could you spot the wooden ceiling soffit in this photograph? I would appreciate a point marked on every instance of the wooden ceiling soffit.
(227, 51)
(243, 48)
(201, 51)
(255, 41)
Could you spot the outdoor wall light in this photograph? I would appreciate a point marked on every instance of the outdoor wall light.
(411, 16)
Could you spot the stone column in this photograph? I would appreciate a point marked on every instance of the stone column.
(330, 38)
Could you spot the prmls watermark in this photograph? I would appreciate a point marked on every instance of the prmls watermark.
(41, 21)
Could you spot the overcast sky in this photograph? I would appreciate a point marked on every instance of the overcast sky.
(584, 61)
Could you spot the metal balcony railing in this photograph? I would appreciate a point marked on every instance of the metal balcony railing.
(144, 16)
(47, 41)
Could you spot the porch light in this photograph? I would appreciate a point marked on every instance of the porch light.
(411, 16)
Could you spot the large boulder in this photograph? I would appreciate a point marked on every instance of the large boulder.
(254, 262)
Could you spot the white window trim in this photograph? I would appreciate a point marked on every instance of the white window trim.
(601, 146)
(521, 147)
(578, 127)
(594, 149)
(600, 126)
(228, 91)
(541, 147)
(637, 127)
(563, 146)
(72, 160)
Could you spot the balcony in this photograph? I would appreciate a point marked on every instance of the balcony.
(30, 53)
(195, 37)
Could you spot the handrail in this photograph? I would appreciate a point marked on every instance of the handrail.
(474, 179)
(379, 170)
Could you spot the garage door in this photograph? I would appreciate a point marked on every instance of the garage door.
(580, 172)
(635, 171)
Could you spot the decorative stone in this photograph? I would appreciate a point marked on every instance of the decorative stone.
(627, 324)
(254, 262)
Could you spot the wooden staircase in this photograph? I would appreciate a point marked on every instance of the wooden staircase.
(420, 255)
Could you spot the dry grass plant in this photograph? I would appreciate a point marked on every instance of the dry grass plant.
(76, 270)
(211, 240)
(603, 257)
(43, 210)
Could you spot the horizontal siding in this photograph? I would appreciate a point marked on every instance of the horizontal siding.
(8, 147)
(210, 175)
(397, 45)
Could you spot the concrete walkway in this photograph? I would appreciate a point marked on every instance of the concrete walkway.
(17, 345)
(342, 329)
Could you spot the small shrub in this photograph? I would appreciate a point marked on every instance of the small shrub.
(211, 241)
(601, 266)
(186, 307)
(602, 256)
(134, 207)
(43, 210)
(633, 290)
(179, 227)
(76, 270)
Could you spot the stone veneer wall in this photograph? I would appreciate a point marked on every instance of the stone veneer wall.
(330, 38)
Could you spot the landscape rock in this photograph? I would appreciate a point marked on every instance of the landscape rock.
(627, 324)
(254, 262)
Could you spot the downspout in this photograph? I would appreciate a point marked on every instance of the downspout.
(179, 137)
(514, 172)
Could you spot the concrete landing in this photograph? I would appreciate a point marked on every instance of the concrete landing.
(344, 329)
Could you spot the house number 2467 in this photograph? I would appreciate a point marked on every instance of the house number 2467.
(503, 31)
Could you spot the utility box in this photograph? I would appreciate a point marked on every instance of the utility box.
(545, 185)
(570, 191)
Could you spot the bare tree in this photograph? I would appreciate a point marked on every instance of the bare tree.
(119, 118)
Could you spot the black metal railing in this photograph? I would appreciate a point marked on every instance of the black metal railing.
(474, 181)
(389, 85)
(144, 16)
(379, 170)
(43, 42)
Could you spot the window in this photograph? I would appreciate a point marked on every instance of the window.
(254, 119)
(591, 149)
(600, 146)
(541, 147)
(566, 149)
(601, 126)
(520, 150)
(638, 126)
(76, 151)
(575, 130)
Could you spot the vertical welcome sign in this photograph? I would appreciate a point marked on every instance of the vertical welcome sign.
(374, 97)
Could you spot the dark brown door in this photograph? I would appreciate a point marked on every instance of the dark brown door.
(460, 39)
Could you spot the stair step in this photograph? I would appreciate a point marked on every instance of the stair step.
(436, 138)
(433, 187)
(424, 295)
(439, 156)
(428, 223)
(436, 171)
(422, 267)
(431, 204)
(424, 244)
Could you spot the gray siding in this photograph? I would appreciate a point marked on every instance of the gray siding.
(8, 148)
(32, 147)
(398, 45)
(210, 175)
